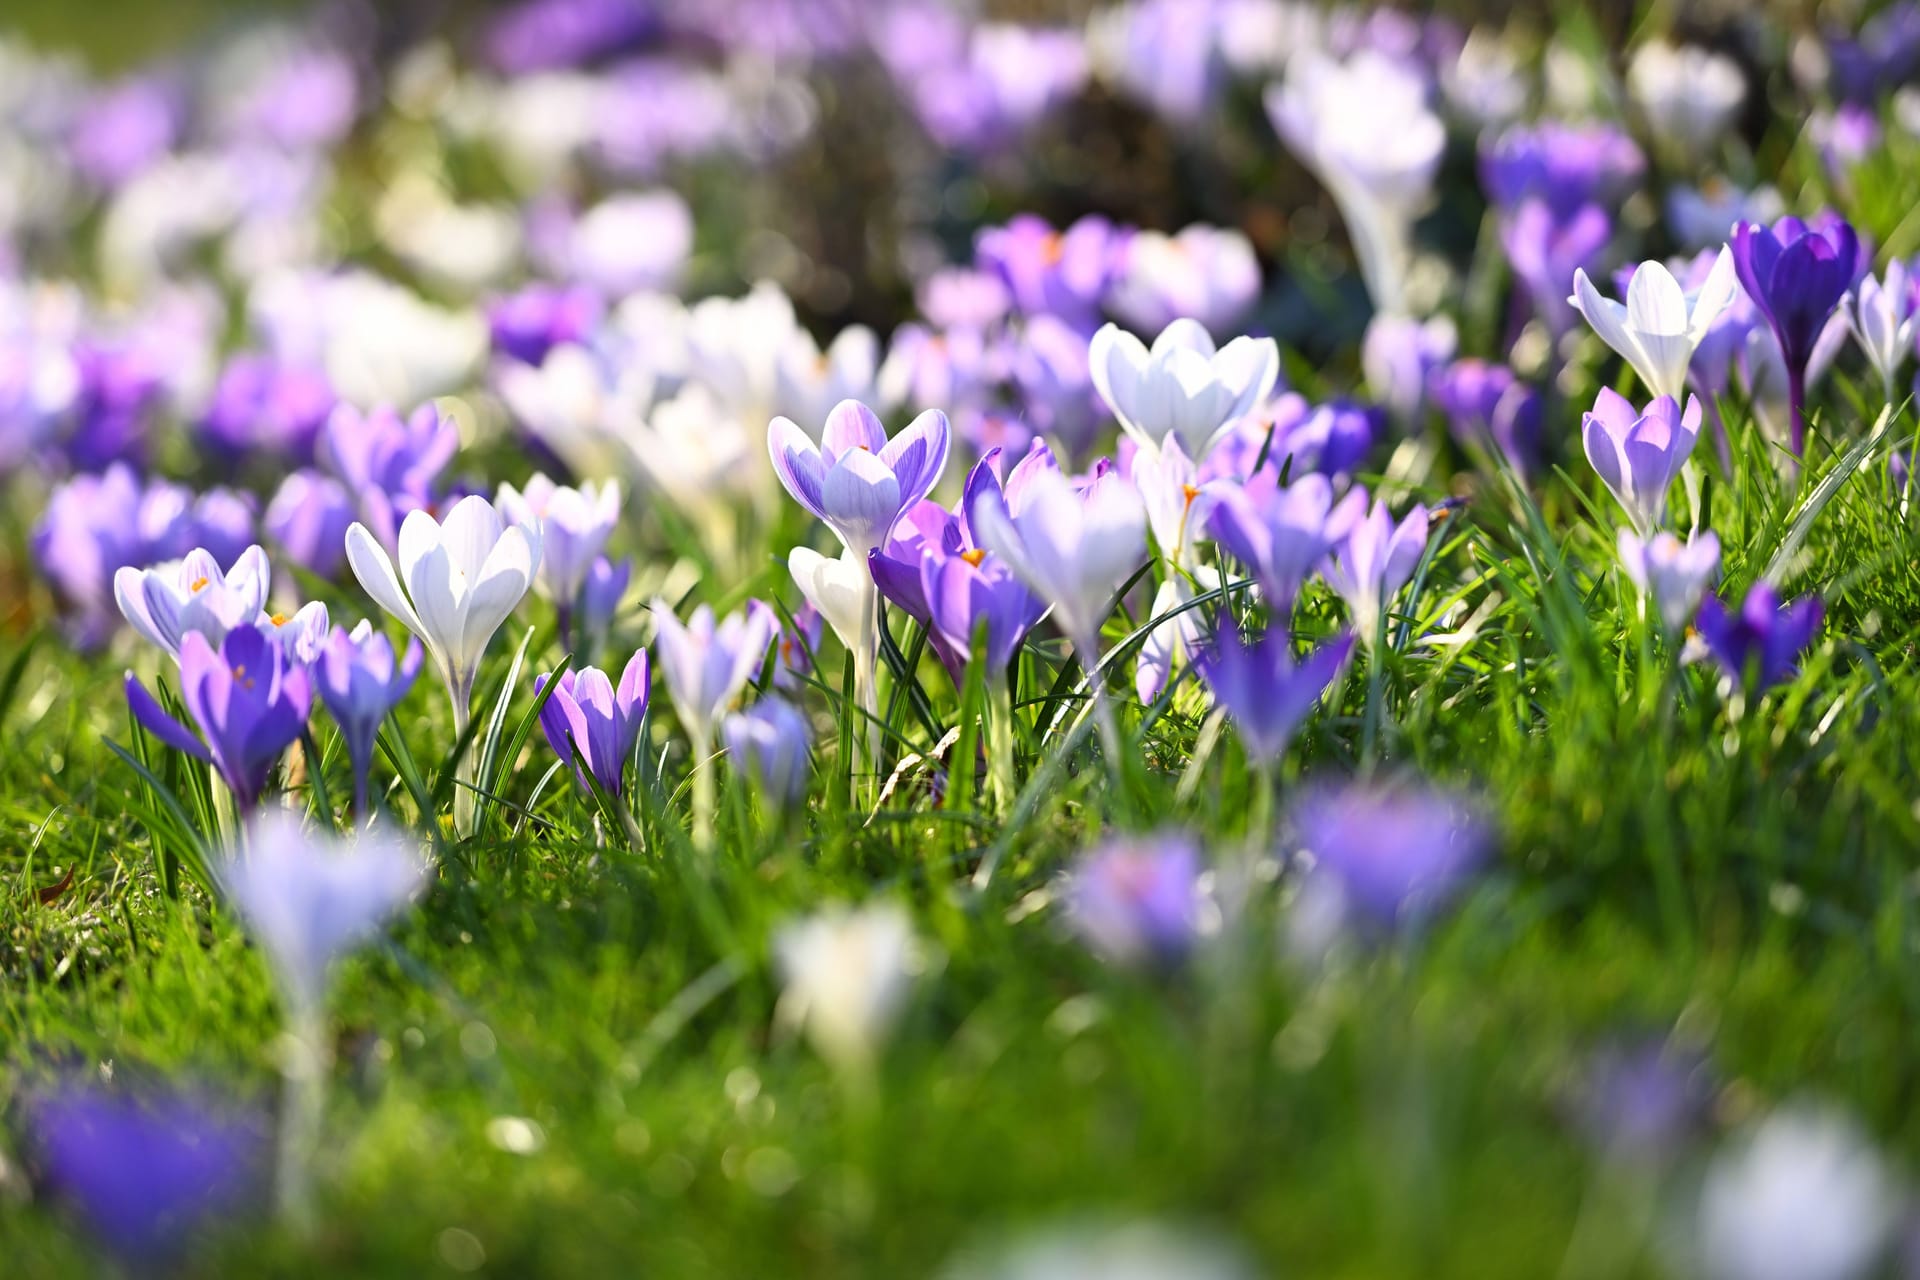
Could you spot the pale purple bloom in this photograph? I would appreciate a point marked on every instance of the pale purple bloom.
(628, 243)
(391, 465)
(1203, 273)
(146, 1173)
(302, 634)
(1167, 54)
(528, 324)
(1401, 356)
(1796, 274)
(1642, 1101)
(1844, 137)
(123, 128)
(1882, 317)
(309, 898)
(855, 479)
(925, 529)
(193, 594)
(1567, 165)
(1372, 557)
(1058, 273)
(979, 87)
(1332, 438)
(360, 684)
(1183, 386)
(1488, 407)
(308, 520)
(1280, 534)
(1138, 900)
(600, 597)
(706, 665)
(1763, 641)
(793, 655)
(1546, 250)
(1262, 688)
(769, 743)
(541, 35)
(1047, 362)
(304, 97)
(595, 725)
(121, 387)
(1639, 454)
(1676, 574)
(250, 700)
(963, 298)
(1393, 852)
(261, 404)
(969, 590)
(574, 526)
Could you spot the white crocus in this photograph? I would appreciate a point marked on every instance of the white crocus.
(1689, 96)
(462, 579)
(1181, 386)
(1881, 314)
(847, 974)
(808, 382)
(578, 402)
(167, 601)
(837, 587)
(1660, 325)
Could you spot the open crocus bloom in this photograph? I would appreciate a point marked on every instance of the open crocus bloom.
(1639, 454)
(193, 595)
(594, 724)
(1181, 386)
(856, 479)
(574, 526)
(1372, 557)
(1660, 325)
(462, 579)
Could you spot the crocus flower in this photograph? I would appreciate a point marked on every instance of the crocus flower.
(1366, 131)
(1400, 356)
(969, 590)
(1882, 315)
(1053, 384)
(1393, 852)
(855, 479)
(1280, 534)
(707, 665)
(591, 723)
(308, 518)
(1660, 326)
(1567, 165)
(600, 598)
(528, 324)
(1332, 438)
(302, 633)
(462, 579)
(391, 465)
(260, 404)
(249, 699)
(1182, 386)
(1202, 273)
(1487, 407)
(309, 898)
(836, 586)
(146, 1172)
(1676, 574)
(574, 526)
(847, 974)
(1545, 249)
(1262, 688)
(1796, 274)
(1764, 640)
(1058, 273)
(769, 743)
(1803, 1196)
(1639, 454)
(1689, 96)
(1372, 557)
(360, 684)
(1138, 900)
(1642, 1101)
(193, 595)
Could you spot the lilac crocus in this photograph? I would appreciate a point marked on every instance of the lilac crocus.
(855, 479)
(1280, 534)
(526, 325)
(1643, 1100)
(193, 594)
(1487, 407)
(574, 526)
(261, 405)
(1058, 273)
(972, 591)
(1639, 454)
(308, 518)
(1400, 356)
(1567, 165)
(1390, 852)
(600, 598)
(1883, 314)
(360, 684)
(769, 742)
(591, 722)
(1675, 573)
(1372, 557)
(706, 665)
(1545, 250)
(1263, 690)
(390, 464)
(249, 699)
(1331, 438)
(1138, 900)
(1762, 642)
(1203, 273)
(1796, 274)
(146, 1173)
(544, 35)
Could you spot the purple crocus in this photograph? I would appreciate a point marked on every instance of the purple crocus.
(1763, 641)
(1566, 165)
(1400, 356)
(1638, 454)
(308, 520)
(262, 405)
(1487, 407)
(360, 684)
(769, 742)
(1262, 688)
(122, 129)
(1545, 249)
(544, 35)
(1393, 852)
(1796, 274)
(1059, 273)
(1137, 900)
(1331, 438)
(589, 719)
(527, 325)
(249, 699)
(600, 598)
(1643, 1100)
(1675, 573)
(855, 479)
(1372, 557)
(392, 465)
(1280, 534)
(146, 1173)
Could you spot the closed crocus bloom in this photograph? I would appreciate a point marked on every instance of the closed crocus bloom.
(574, 526)
(837, 586)
(1675, 573)
(1545, 250)
(1387, 854)
(461, 580)
(1639, 454)
(600, 598)
(1400, 356)
(1263, 690)
(308, 520)
(855, 479)
(360, 683)
(1138, 900)
(706, 664)
(1796, 274)
(193, 594)
(1280, 534)
(1487, 407)
(391, 465)
(1804, 1196)
(1881, 314)
(1202, 273)
(1761, 643)
(595, 724)
(1372, 557)
(1660, 325)
(847, 974)
(1181, 386)
(769, 743)
(1690, 97)
(249, 700)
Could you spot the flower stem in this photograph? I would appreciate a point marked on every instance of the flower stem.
(866, 660)
(1000, 741)
(303, 1101)
(461, 691)
(1797, 399)
(703, 798)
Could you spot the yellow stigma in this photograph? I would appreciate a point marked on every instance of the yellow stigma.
(199, 584)
(278, 619)
(1190, 492)
(1052, 249)
(974, 557)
